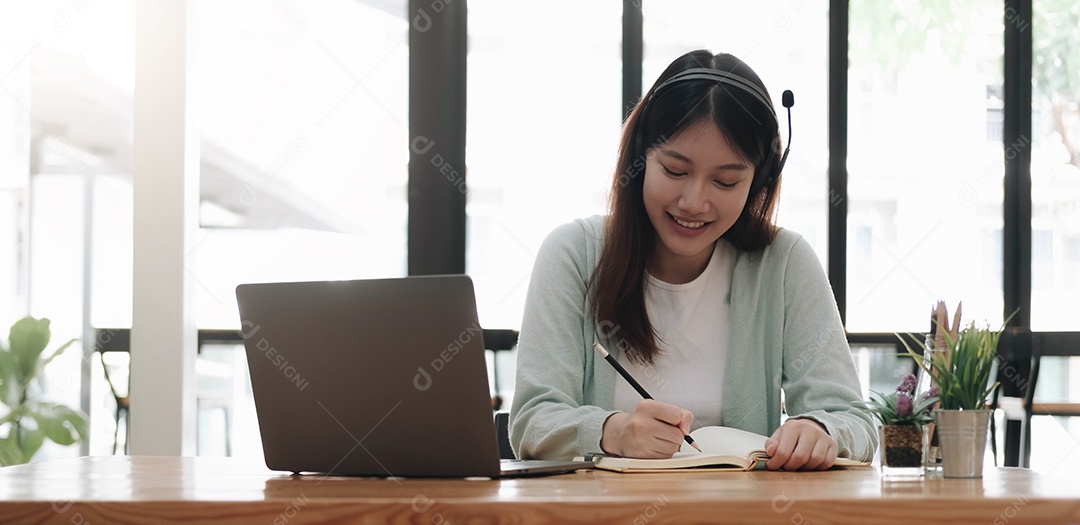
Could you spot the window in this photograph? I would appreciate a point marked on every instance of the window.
(14, 171)
(1042, 260)
(1055, 165)
(65, 73)
(993, 266)
(863, 264)
(543, 133)
(302, 107)
(880, 368)
(919, 159)
(1055, 218)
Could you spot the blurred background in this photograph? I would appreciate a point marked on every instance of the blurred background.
(303, 112)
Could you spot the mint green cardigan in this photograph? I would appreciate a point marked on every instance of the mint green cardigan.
(786, 334)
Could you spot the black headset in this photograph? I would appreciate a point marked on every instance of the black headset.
(729, 78)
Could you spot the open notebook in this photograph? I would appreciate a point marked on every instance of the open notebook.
(722, 448)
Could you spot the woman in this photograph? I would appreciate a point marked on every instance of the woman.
(689, 283)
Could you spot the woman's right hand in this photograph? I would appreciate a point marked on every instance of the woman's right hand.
(652, 430)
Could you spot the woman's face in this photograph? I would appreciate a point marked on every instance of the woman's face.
(695, 188)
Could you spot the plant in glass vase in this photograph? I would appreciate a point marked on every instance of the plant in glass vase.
(903, 416)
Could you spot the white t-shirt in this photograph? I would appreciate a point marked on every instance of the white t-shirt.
(692, 324)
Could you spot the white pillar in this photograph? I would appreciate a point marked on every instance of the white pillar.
(166, 159)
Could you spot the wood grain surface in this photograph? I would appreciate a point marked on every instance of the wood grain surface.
(121, 489)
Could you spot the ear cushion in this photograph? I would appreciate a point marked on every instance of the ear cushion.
(771, 174)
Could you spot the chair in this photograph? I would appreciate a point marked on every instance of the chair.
(1020, 360)
(502, 430)
(116, 365)
(114, 349)
(498, 341)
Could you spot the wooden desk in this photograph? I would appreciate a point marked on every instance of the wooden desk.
(121, 489)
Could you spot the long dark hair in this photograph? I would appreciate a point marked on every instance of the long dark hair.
(752, 130)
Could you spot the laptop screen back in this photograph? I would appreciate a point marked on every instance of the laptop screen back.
(370, 377)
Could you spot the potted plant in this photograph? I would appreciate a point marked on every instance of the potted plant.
(960, 366)
(903, 417)
(29, 421)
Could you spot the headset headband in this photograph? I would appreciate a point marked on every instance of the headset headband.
(728, 78)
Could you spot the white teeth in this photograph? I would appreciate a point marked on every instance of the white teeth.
(691, 225)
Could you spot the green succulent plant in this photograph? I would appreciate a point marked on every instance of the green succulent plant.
(30, 421)
(902, 406)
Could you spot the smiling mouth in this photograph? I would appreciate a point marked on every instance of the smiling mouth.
(688, 224)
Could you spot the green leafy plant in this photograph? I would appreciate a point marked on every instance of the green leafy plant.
(30, 421)
(902, 406)
(961, 366)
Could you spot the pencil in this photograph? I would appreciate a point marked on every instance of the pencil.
(633, 382)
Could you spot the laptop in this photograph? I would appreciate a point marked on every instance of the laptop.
(382, 377)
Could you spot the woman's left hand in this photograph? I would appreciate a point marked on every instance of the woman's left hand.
(800, 444)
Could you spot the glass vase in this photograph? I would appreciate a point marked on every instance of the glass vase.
(925, 382)
(903, 451)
